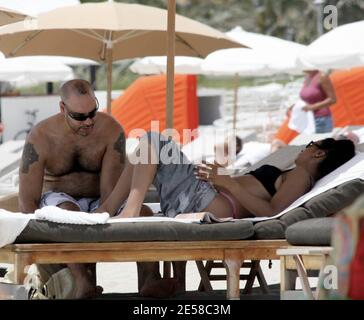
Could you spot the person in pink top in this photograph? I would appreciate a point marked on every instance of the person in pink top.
(319, 94)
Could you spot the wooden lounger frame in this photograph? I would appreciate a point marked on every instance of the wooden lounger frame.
(231, 253)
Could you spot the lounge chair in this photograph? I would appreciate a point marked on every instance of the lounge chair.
(232, 243)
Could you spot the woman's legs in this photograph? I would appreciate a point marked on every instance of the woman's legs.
(142, 177)
(132, 185)
(120, 192)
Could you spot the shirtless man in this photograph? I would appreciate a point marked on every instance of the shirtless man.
(72, 160)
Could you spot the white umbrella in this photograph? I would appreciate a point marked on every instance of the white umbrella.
(267, 56)
(158, 65)
(340, 48)
(245, 62)
(34, 7)
(23, 71)
(279, 55)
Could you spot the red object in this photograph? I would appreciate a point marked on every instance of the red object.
(145, 100)
(356, 286)
(1, 127)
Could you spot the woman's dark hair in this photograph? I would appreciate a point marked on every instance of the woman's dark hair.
(337, 153)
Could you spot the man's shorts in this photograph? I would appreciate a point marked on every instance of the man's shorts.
(51, 198)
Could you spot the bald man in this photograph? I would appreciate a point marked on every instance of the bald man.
(72, 160)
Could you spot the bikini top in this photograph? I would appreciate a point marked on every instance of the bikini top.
(267, 175)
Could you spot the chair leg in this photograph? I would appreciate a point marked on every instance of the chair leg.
(166, 269)
(303, 277)
(179, 272)
(255, 272)
(2, 272)
(204, 271)
(251, 277)
(262, 282)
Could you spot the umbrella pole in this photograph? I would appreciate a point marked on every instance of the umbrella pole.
(235, 105)
(170, 63)
(109, 78)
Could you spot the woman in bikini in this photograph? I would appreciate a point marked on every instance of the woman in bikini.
(184, 187)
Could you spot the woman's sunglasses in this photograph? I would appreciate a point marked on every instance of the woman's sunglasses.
(313, 143)
(82, 116)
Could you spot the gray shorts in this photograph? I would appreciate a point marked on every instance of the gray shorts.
(51, 198)
(179, 190)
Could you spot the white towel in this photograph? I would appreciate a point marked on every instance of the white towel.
(11, 225)
(301, 121)
(353, 169)
(56, 214)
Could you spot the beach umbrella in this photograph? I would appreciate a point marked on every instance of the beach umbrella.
(158, 65)
(9, 16)
(280, 55)
(340, 48)
(23, 71)
(34, 7)
(266, 56)
(108, 31)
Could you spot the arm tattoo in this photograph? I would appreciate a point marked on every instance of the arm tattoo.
(119, 146)
(29, 156)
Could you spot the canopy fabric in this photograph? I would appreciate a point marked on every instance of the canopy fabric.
(349, 108)
(245, 62)
(158, 65)
(24, 71)
(340, 48)
(9, 16)
(95, 27)
(144, 101)
(32, 7)
(277, 55)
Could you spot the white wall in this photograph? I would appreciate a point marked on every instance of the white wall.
(13, 110)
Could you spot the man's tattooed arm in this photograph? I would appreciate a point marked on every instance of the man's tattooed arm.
(29, 156)
(119, 146)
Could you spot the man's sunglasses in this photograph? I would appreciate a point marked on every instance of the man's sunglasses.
(82, 116)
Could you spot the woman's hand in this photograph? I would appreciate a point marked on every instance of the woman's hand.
(308, 107)
(210, 172)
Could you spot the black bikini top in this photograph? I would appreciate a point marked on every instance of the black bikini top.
(267, 175)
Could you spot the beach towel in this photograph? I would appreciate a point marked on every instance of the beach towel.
(11, 225)
(56, 214)
(300, 120)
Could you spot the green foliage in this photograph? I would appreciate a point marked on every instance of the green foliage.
(288, 19)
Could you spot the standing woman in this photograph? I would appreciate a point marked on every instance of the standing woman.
(319, 94)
